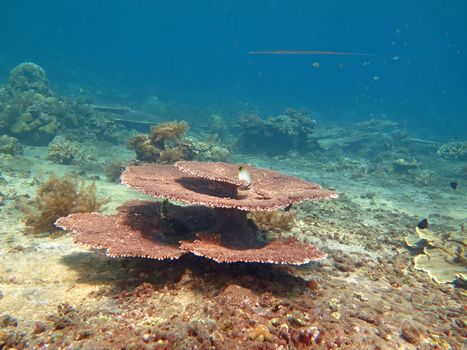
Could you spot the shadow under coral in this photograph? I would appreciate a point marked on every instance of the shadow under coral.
(143, 228)
(205, 276)
(165, 231)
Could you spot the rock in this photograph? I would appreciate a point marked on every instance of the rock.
(39, 327)
(7, 321)
(411, 334)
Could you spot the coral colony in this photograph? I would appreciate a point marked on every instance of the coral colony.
(214, 226)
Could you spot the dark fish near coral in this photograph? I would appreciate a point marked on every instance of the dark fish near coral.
(423, 224)
(453, 184)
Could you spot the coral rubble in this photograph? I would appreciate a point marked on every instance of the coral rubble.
(219, 229)
(443, 257)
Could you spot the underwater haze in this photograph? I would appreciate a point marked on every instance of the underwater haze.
(199, 49)
(264, 175)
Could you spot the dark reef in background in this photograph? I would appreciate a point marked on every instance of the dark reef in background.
(290, 131)
(32, 113)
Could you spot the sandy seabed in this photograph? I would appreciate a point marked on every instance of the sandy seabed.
(365, 295)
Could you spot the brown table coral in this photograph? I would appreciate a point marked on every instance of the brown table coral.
(215, 226)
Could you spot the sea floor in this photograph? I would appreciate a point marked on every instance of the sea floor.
(365, 295)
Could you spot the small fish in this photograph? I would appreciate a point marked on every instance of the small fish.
(315, 65)
(423, 224)
(244, 175)
(453, 184)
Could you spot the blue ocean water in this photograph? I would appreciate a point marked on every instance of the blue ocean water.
(200, 50)
(105, 102)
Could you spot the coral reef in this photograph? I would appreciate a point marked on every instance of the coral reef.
(168, 132)
(453, 150)
(10, 145)
(290, 131)
(84, 121)
(31, 112)
(31, 117)
(223, 234)
(29, 77)
(207, 151)
(67, 152)
(63, 151)
(443, 257)
(58, 197)
(167, 143)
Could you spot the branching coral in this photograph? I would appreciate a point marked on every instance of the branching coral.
(444, 257)
(59, 197)
(63, 151)
(453, 150)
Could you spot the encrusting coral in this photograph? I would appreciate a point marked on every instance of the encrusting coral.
(215, 227)
(443, 258)
(58, 197)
